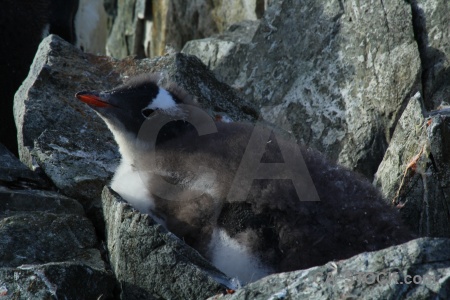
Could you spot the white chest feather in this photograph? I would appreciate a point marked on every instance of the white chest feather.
(132, 186)
(234, 259)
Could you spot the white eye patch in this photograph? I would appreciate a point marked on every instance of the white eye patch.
(163, 100)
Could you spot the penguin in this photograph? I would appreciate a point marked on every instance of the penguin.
(24, 24)
(183, 180)
(90, 26)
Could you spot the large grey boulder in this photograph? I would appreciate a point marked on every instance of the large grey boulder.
(408, 140)
(67, 140)
(65, 280)
(64, 236)
(415, 172)
(392, 273)
(159, 265)
(226, 13)
(48, 248)
(54, 132)
(340, 71)
(230, 46)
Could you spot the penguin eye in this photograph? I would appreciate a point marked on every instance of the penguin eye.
(146, 112)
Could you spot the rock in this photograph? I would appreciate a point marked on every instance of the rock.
(340, 72)
(29, 233)
(14, 174)
(111, 12)
(407, 141)
(61, 280)
(374, 275)
(160, 266)
(145, 28)
(414, 174)
(228, 13)
(431, 19)
(68, 140)
(78, 166)
(48, 248)
(225, 53)
(176, 22)
(123, 40)
(49, 118)
(16, 202)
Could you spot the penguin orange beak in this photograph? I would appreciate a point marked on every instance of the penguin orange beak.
(91, 99)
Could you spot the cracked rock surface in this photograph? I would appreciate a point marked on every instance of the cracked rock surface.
(383, 274)
(415, 172)
(48, 248)
(144, 28)
(160, 266)
(340, 72)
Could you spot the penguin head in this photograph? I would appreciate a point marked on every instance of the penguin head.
(125, 108)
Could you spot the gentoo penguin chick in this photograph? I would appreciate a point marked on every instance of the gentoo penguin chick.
(183, 179)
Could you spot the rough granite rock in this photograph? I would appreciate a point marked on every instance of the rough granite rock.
(48, 248)
(177, 21)
(159, 265)
(122, 40)
(424, 259)
(230, 46)
(145, 28)
(415, 172)
(111, 11)
(67, 139)
(64, 236)
(62, 280)
(14, 174)
(226, 13)
(431, 19)
(341, 71)
(407, 141)
(45, 110)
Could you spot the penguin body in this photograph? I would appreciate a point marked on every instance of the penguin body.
(185, 183)
(24, 24)
(90, 25)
